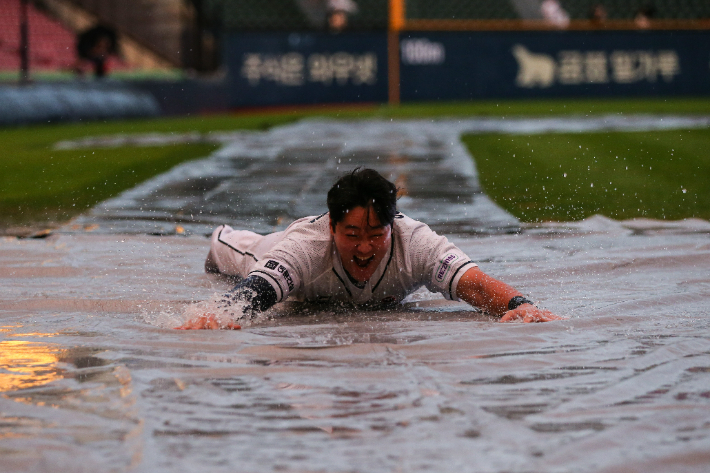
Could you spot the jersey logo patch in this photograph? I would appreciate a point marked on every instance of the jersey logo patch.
(271, 264)
(445, 266)
(289, 280)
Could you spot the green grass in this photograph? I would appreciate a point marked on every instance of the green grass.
(39, 184)
(578, 107)
(563, 177)
(13, 77)
(60, 184)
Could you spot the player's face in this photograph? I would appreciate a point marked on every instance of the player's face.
(362, 242)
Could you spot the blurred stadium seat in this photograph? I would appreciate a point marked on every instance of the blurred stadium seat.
(51, 45)
(161, 26)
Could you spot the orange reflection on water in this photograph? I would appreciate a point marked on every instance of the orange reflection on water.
(26, 365)
(36, 334)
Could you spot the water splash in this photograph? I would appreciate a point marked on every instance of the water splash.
(227, 309)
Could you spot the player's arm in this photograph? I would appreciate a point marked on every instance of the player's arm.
(252, 295)
(498, 298)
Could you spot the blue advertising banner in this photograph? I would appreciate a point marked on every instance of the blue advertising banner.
(474, 65)
(306, 68)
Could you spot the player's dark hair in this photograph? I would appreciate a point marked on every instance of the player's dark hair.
(363, 188)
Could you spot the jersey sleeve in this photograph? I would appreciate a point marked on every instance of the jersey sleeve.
(440, 262)
(297, 258)
(279, 273)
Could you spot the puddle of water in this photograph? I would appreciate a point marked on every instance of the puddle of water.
(26, 365)
(60, 404)
(624, 380)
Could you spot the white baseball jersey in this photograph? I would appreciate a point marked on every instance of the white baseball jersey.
(303, 263)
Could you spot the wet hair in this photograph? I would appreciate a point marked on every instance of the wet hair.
(366, 188)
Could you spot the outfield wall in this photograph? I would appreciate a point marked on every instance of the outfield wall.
(455, 66)
(301, 68)
(306, 68)
(267, 69)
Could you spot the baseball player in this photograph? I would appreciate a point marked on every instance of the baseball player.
(361, 252)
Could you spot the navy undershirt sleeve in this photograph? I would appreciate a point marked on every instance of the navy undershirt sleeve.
(256, 291)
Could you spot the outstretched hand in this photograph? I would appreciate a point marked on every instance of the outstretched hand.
(207, 321)
(528, 313)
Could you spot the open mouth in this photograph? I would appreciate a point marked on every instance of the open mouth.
(362, 262)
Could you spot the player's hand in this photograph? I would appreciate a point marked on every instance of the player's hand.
(207, 321)
(528, 313)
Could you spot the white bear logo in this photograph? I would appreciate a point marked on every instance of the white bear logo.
(533, 69)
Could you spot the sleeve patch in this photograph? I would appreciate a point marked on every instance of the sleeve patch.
(284, 272)
(271, 264)
(445, 265)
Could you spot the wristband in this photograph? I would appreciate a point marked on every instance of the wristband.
(517, 301)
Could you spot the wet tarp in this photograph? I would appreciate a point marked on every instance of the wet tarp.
(74, 101)
(262, 181)
(93, 377)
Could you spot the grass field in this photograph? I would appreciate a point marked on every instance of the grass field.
(659, 175)
(563, 177)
